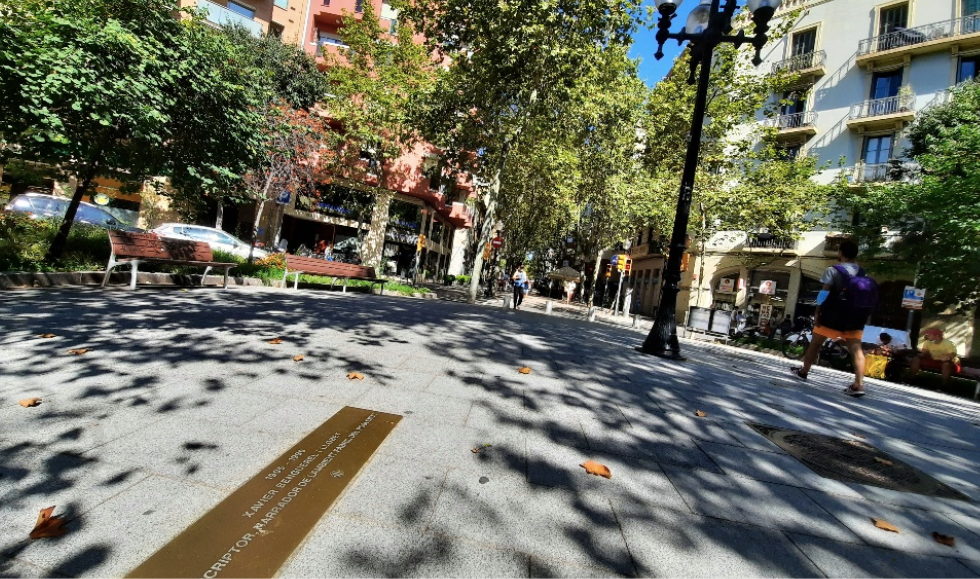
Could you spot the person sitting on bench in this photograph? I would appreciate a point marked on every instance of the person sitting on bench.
(936, 353)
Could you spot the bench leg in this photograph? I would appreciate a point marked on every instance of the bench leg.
(108, 269)
(296, 279)
(343, 291)
(225, 285)
(382, 288)
(133, 272)
(205, 276)
(285, 273)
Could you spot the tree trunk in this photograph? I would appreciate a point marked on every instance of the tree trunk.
(595, 278)
(255, 231)
(221, 213)
(486, 232)
(61, 239)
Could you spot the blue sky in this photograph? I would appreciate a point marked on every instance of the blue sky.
(645, 44)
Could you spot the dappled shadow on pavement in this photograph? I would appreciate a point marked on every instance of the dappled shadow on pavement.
(182, 393)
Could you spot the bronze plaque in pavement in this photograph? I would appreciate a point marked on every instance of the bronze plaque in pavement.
(253, 531)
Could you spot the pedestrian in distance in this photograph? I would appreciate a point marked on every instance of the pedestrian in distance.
(521, 285)
(570, 290)
(845, 303)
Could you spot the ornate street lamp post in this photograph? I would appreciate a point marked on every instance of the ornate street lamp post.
(707, 26)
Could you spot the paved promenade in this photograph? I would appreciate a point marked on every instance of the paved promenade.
(181, 399)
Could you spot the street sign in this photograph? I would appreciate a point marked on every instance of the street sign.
(284, 197)
(913, 298)
(497, 242)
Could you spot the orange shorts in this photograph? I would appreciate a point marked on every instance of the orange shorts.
(828, 333)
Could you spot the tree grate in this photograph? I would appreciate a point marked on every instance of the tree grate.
(854, 461)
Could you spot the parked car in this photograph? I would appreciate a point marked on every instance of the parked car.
(216, 238)
(40, 205)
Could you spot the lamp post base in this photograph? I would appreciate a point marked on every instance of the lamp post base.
(666, 354)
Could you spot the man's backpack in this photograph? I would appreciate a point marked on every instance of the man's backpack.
(849, 308)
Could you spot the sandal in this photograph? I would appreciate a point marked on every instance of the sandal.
(798, 372)
(853, 392)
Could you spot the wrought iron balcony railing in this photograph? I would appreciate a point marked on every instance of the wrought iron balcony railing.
(880, 107)
(910, 36)
(794, 121)
(890, 172)
(800, 62)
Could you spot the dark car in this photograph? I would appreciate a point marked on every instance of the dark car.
(40, 205)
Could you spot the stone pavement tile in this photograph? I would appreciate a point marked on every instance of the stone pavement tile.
(14, 568)
(311, 387)
(546, 568)
(394, 490)
(192, 403)
(429, 364)
(291, 415)
(578, 528)
(772, 467)
(499, 414)
(34, 479)
(345, 547)
(449, 446)
(699, 428)
(838, 559)
(957, 468)
(916, 527)
(666, 543)
(116, 536)
(749, 437)
(639, 480)
(208, 452)
(419, 405)
(712, 408)
(639, 442)
(756, 503)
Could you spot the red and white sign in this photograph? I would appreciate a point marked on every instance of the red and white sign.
(497, 242)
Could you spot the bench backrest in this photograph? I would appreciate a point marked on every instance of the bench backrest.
(329, 268)
(151, 245)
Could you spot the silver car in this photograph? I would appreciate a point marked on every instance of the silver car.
(216, 238)
(41, 205)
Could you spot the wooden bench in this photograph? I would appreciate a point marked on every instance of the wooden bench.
(296, 265)
(137, 248)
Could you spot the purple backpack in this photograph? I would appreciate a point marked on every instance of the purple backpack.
(850, 308)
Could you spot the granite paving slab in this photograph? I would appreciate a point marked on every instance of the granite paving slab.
(836, 559)
(13, 568)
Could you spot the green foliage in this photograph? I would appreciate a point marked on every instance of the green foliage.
(934, 214)
(25, 241)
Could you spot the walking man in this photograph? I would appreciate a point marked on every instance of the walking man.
(844, 304)
(520, 286)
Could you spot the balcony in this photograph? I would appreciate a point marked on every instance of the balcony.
(886, 113)
(936, 37)
(809, 66)
(221, 16)
(893, 171)
(792, 127)
(764, 242)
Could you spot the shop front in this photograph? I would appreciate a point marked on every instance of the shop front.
(401, 237)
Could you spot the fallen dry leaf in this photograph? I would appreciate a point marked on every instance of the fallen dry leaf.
(885, 525)
(880, 460)
(30, 402)
(593, 467)
(46, 336)
(944, 539)
(78, 351)
(700, 414)
(275, 341)
(524, 370)
(48, 526)
(475, 450)
(355, 376)
(298, 358)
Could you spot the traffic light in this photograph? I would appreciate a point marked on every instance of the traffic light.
(609, 270)
(421, 242)
(629, 264)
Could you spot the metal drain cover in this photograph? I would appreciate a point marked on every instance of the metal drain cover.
(854, 461)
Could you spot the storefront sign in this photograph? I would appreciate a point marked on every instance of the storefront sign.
(765, 312)
(726, 285)
(253, 531)
(913, 298)
(767, 288)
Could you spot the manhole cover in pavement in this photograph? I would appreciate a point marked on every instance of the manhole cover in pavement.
(855, 461)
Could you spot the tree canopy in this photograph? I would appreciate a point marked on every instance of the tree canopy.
(931, 218)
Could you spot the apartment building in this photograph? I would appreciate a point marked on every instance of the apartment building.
(256, 16)
(866, 68)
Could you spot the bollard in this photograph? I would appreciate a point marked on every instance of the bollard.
(507, 300)
(592, 313)
(547, 307)
(636, 320)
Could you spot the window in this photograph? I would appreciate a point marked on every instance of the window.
(790, 152)
(886, 84)
(804, 42)
(93, 215)
(971, 7)
(276, 30)
(891, 18)
(240, 9)
(359, 6)
(968, 68)
(877, 150)
(793, 102)
(284, 4)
